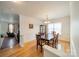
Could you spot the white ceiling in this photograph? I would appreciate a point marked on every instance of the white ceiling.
(54, 9)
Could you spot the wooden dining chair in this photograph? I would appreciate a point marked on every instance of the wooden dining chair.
(40, 42)
(54, 41)
(38, 37)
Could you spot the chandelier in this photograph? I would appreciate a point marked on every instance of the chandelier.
(47, 20)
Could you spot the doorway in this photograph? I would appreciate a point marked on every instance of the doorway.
(10, 30)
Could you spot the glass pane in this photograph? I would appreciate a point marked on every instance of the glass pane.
(57, 27)
(50, 30)
(54, 27)
(11, 27)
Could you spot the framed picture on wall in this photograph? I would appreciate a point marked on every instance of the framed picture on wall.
(30, 26)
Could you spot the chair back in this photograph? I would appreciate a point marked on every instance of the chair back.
(56, 40)
(38, 37)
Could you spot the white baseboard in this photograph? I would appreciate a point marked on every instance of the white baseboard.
(25, 41)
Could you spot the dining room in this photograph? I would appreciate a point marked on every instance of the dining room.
(53, 34)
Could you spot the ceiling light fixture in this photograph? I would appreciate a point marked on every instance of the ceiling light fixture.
(47, 20)
(14, 1)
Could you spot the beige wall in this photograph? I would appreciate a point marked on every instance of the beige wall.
(28, 34)
(65, 27)
(74, 28)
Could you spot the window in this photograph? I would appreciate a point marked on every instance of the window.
(50, 28)
(57, 27)
(54, 27)
(11, 27)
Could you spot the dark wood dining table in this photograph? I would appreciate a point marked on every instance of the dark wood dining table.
(47, 41)
(42, 41)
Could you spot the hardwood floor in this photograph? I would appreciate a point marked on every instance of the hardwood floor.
(66, 45)
(29, 50)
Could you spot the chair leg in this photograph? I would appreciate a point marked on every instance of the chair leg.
(41, 48)
(37, 45)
